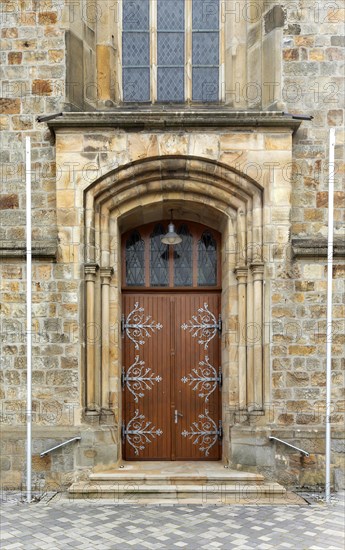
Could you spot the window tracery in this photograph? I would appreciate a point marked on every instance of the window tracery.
(193, 263)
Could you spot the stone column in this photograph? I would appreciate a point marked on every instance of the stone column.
(241, 274)
(106, 273)
(90, 279)
(258, 273)
(250, 344)
(89, 229)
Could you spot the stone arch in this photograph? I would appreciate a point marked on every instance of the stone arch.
(196, 188)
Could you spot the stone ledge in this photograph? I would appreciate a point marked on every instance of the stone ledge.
(17, 249)
(158, 117)
(41, 431)
(316, 248)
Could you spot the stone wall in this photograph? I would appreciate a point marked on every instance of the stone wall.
(312, 84)
(313, 65)
(308, 78)
(33, 84)
(252, 451)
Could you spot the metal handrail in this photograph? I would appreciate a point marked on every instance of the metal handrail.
(77, 438)
(271, 438)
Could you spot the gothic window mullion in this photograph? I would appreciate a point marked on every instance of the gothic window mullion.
(154, 49)
(171, 266)
(197, 236)
(188, 50)
(147, 258)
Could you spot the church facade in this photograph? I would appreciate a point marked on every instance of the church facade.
(213, 116)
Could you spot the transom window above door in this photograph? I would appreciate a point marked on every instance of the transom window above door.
(170, 50)
(194, 263)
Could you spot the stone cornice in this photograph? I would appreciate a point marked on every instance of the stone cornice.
(316, 247)
(160, 118)
(40, 249)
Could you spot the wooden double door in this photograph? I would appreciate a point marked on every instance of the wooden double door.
(171, 377)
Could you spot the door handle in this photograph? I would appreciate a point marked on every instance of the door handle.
(177, 414)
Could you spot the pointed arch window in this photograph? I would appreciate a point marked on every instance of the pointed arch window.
(193, 263)
(207, 260)
(135, 260)
(159, 258)
(183, 258)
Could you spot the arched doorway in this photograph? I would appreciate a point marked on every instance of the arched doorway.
(171, 374)
(199, 191)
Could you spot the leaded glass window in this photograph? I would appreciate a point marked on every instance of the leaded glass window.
(135, 260)
(207, 260)
(176, 61)
(149, 263)
(136, 50)
(205, 50)
(170, 50)
(159, 258)
(183, 258)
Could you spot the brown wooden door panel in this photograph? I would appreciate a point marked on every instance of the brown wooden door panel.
(147, 413)
(174, 354)
(199, 409)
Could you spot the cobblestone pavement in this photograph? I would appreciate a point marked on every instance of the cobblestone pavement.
(88, 525)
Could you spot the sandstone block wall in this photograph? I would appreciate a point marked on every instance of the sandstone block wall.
(305, 77)
(313, 62)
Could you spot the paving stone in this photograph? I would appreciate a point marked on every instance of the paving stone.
(63, 525)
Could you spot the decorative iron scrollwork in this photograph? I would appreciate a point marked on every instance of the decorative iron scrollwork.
(140, 432)
(204, 326)
(205, 379)
(138, 378)
(204, 432)
(138, 327)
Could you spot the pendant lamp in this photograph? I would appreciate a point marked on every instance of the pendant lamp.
(171, 237)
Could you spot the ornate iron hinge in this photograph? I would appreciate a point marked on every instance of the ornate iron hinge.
(139, 432)
(203, 325)
(138, 378)
(220, 430)
(204, 378)
(220, 324)
(138, 326)
(204, 432)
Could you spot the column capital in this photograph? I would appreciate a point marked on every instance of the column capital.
(258, 271)
(241, 273)
(106, 273)
(90, 270)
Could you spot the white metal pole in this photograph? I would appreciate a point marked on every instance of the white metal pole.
(28, 321)
(329, 313)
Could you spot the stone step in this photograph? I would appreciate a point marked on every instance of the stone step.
(158, 483)
(187, 478)
(204, 500)
(216, 491)
(174, 480)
